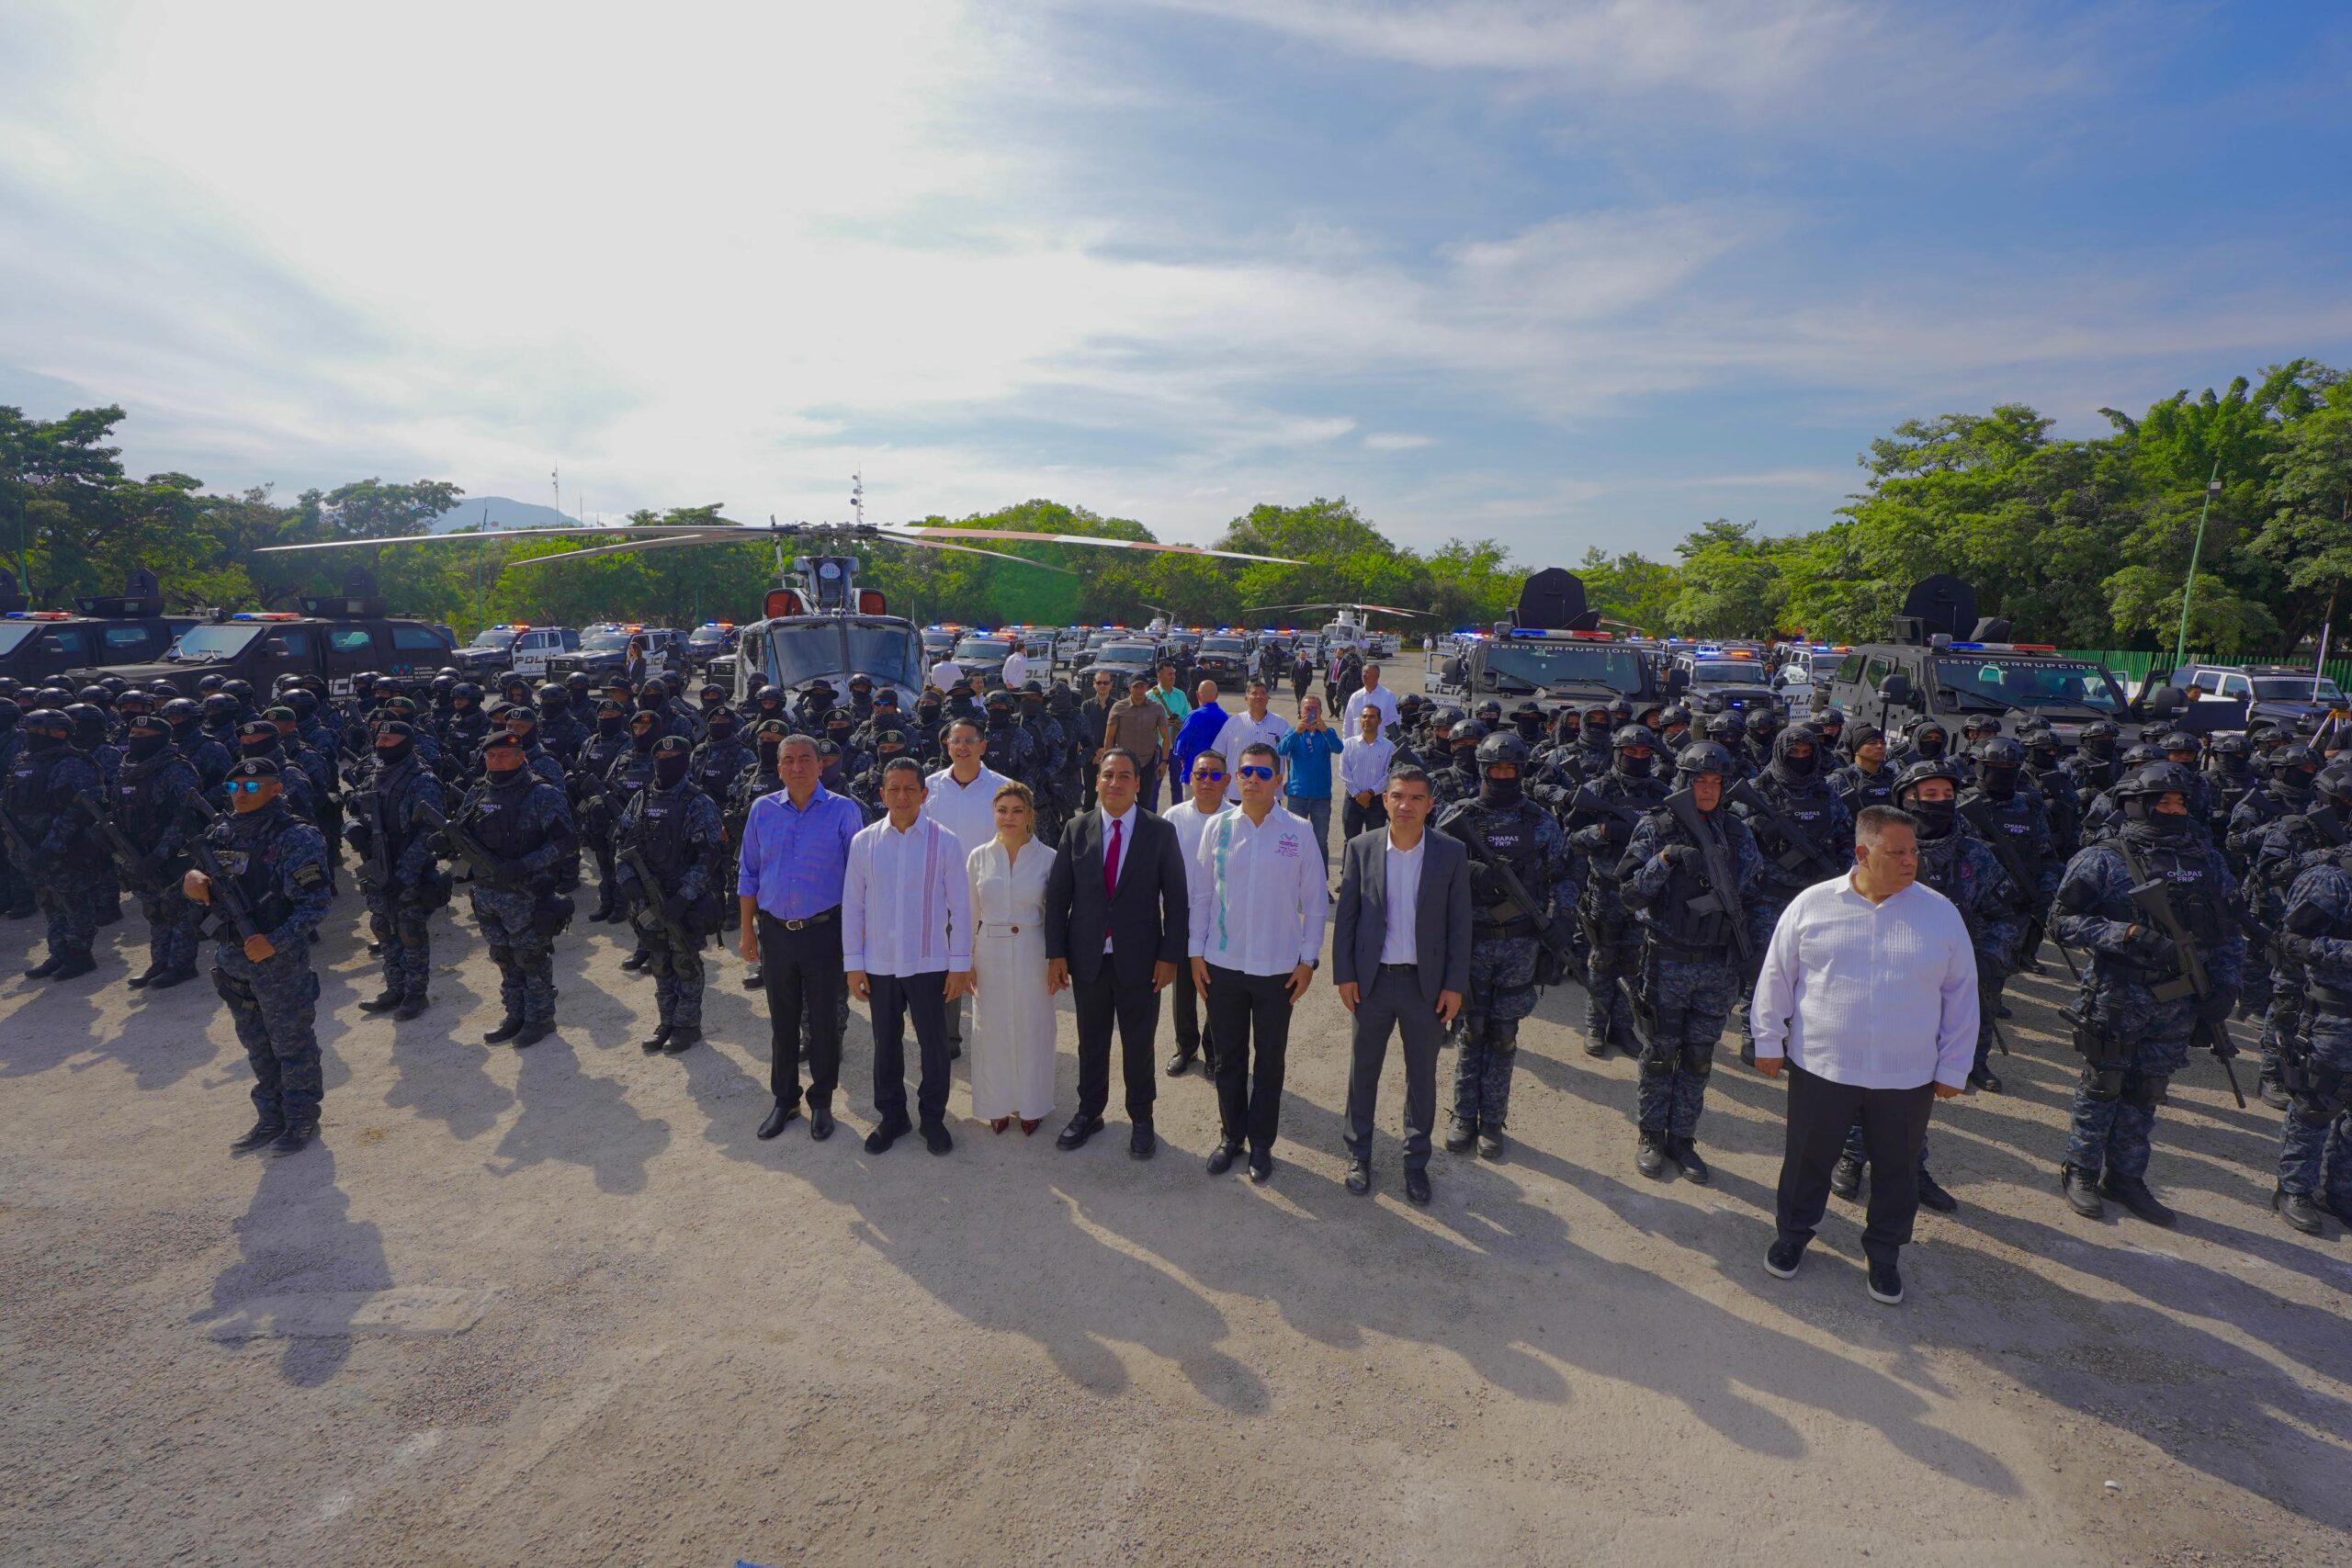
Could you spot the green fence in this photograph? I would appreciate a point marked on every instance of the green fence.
(2132, 664)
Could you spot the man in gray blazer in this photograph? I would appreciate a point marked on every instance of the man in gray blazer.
(1400, 955)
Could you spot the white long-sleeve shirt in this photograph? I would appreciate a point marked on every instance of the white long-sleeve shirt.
(968, 811)
(1380, 697)
(1257, 896)
(1363, 764)
(906, 903)
(1877, 995)
(1242, 730)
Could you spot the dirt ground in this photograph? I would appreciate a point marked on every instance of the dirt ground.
(688, 1347)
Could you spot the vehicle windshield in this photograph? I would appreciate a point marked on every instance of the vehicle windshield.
(1990, 681)
(800, 651)
(940, 641)
(1125, 653)
(1727, 672)
(2296, 689)
(207, 642)
(1221, 645)
(982, 647)
(1532, 666)
(490, 637)
(610, 640)
(708, 636)
(13, 633)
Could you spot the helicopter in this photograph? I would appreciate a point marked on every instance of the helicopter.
(817, 622)
(1348, 629)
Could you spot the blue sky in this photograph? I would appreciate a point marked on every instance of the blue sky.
(1558, 274)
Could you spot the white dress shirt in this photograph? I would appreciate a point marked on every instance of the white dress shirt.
(1363, 764)
(905, 902)
(945, 673)
(1242, 730)
(1126, 851)
(1258, 894)
(968, 811)
(1400, 941)
(1380, 697)
(1190, 822)
(1875, 996)
(1016, 670)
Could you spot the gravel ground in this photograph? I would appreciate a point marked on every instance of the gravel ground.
(697, 1348)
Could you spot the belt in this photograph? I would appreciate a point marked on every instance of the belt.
(2327, 998)
(816, 919)
(1400, 969)
(1001, 927)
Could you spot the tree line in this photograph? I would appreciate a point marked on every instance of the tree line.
(2083, 543)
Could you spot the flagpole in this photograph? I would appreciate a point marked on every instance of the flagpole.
(2180, 647)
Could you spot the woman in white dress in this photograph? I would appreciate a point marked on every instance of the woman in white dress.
(1012, 1012)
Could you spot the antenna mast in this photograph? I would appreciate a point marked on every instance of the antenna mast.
(857, 497)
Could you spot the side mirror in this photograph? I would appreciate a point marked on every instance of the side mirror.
(1780, 678)
(1894, 689)
(1678, 681)
(2167, 701)
(1454, 669)
(275, 648)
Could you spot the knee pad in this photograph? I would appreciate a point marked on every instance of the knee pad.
(380, 925)
(232, 991)
(1699, 1057)
(2145, 1091)
(1474, 1029)
(1502, 1036)
(2102, 1084)
(501, 956)
(2311, 1110)
(1659, 1059)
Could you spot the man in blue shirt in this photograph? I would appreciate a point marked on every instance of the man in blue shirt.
(1306, 754)
(1202, 726)
(788, 879)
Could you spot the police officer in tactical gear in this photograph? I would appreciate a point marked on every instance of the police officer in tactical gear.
(1602, 818)
(592, 808)
(155, 804)
(673, 830)
(278, 864)
(1508, 837)
(398, 875)
(2132, 1041)
(52, 842)
(2002, 801)
(524, 824)
(2316, 1142)
(1807, 837)
(1690, 968)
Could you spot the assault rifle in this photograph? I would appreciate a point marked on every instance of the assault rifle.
(126, 853)
(488, 869)
(1801, 846)
(1723, 888)
(226, 895)
(21, 850)
(657, 903)
(1547, 930)
(2151, 899)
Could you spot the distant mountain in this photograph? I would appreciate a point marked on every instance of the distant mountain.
(504, 512)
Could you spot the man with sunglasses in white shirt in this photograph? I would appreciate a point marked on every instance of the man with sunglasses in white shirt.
(1191, 817)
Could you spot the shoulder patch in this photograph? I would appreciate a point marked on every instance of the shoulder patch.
(309, 876)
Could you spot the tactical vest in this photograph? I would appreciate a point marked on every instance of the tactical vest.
(1509, 835)
(500, 820)
(660, 831)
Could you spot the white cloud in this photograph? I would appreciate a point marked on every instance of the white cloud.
(1396, 441)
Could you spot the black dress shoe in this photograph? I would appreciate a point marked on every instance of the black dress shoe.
(533, 1033)
(1221, 1157)
(1984, 1078)
(382, 1001)
(45, 968)
(777, 1117)
(1081, 1127)
(508, 1028)
(888, 1133)
(1141, 1143)
(411, 1007)
(73, 966)
(821, 1124)
(1261, 1168)
(1885, 1284)
(936, 1138)
(1178, 1062)
(178, 974)
(651, 1044)
(681, 1040)
(265, 1131)
(1933, 1196)
(753, 981)
(1359, 1177)
(294, 1138)
(1416, 1187)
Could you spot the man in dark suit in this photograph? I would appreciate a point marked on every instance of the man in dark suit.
(1400, 955)
(1116, 921)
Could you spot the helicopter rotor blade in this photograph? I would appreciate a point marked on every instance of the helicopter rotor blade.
(910, 532)
(466, 535)
(625, 547)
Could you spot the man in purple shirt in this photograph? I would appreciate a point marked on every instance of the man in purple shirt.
(788, 879)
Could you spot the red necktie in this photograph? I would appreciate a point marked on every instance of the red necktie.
(1111, 861)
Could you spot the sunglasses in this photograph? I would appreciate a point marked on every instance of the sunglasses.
(1252, 770)
(248, 786)
(1211, 774)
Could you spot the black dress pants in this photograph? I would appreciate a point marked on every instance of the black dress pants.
(1894, 1123)
(895, 998)
(1191, 1037)
(1251, 1016)
(1099, 1003)
(797, 967)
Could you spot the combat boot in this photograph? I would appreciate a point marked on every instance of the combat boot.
(1846, 1180)
(411, 1007)
(1649, 1154)
(2082, 1190)
(178, 974)
(651, 1044)
(636, 961)
(1460, 1136)
(296, 1137)
(2274, 1095)
(382, 1001)
(1596, 1044)
(73, 965)
(2298, 1210)
(535, 1031)
(46, 968)
(2131, 1191)
(1684, 1153)
(138, 982)
(1490, 1143)
(680, 1039)
(264, 1131)
(508, 1028)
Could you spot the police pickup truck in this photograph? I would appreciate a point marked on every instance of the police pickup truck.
(332, 638)
(40, 646)
(526, 650)
(1555, 667)
(1713, 678)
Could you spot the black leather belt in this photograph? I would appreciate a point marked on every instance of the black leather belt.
(816, 919)
(1400, 969)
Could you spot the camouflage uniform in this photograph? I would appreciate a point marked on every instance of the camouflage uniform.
(43, 784)
(2315, 1143)
(679, 832)
(398, 875)
(279, 864)
(152, 804)
(526, 822)
(1614, 950)
(1502, 948)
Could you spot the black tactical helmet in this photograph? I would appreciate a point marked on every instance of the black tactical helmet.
(96, 696)
(1696, 761)
(2177, 741)
(242, 690)
(1489, 713)
(220, 705)
(1672, 714)
(1620, 712)
(303, 701)
(1469, 732)
(468, 689)
(1722, 728)
(1919, 773)
(444, 687)
(1501, 747)
(1763, 723)
(115, 684)
(1629, 735)
(182, 710)
(2142, 756)
(47, 721)
(552, 697)
(2138, 790)
(134, 702)
(2000, 751)
(2233, 746)
(2334, 784)
(88, 722)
